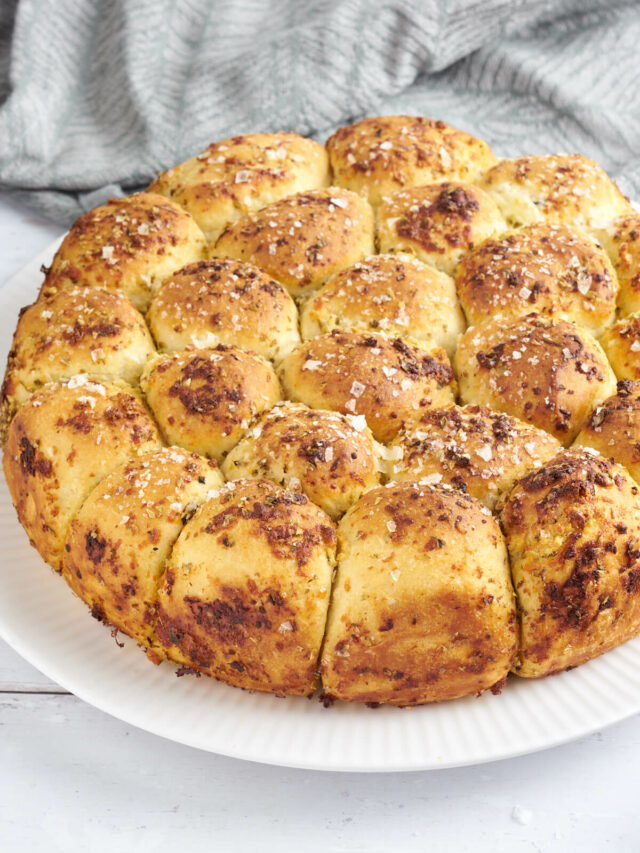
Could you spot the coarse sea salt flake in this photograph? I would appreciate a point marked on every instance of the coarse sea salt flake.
(311, 364)
(391, 526)
(357, 389)
(484, 452)
(339, 202)
(635, 346)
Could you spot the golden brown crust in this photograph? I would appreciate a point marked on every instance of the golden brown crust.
(223, 301)
(551, 269)
(472, 448)
(438, 223)
(396, 294)
(317, 452)
(422, 608)
(565, 188)
(204, 399)
(246, 590)
(377, 157)
(388, 380)
(549, 373)
(81, 330)
(303, 240)
(128, 244)
(613, 427)
(60, 445)
(621, 240)
(622, 345)
(239, 175)
(573, 534)
(120, 539)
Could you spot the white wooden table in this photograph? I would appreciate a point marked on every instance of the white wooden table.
(74, 779)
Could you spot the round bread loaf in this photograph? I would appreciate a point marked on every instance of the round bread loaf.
(204, 399)
(303, 240)
(129, 244)
(573, 534)
(384, 379)
(317, 452)
(565, 188)
(60, 445)
(475, 449)
(422, 608)
(621, 239)
(438, 223)
(242, 174)
(376, 157)
(613, 428)
(622, 345)
(120, 539)
(395, 294)
(81, 330)
(551, 269)
(246, 591)
(549, 373)
(223, 301)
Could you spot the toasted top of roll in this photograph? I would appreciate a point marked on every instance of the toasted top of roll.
(317, 452)
(549, 373)
(224, 301)
(204, 399)
(573, 534)
(129, 244)
(622, 345)
(396, 294)
(473, 448)
(242, 174)
(81, 330)
(548, 268)
(565, 188)
(422, 608)
(376, 157)
(60, 444)
(439, 223)
(247, 587)
(122, 536)
(621, 239)
(304, 239)
(613, 427)
(387, 380)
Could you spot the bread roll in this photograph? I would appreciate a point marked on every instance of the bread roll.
(475, 449)
(564, 188)
(422, 608)
(81, 330)
(621, 239)
(438, 223)
(573, 534)
(224, 301)
(622, 345)
(120, 539)
(549, 373)
(613, 427)
(551, 269)
(396, 294)
(204, 400)
(317, 452)
(387, 380)
(246, 591)
(303, 240)
(128, 244)
(376, 157)
(61, 444)
(239, 175)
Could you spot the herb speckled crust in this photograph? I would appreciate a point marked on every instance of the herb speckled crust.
(573, 534)
(423, 608)
(379, 156)
(128, 244)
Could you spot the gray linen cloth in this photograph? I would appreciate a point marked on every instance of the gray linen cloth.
(96, 96)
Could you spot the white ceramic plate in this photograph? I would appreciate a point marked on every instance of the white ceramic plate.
(45, 623)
